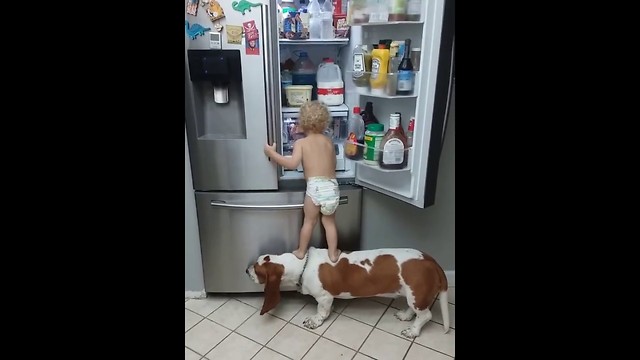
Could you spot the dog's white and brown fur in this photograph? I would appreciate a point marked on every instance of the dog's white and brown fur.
(380, 272)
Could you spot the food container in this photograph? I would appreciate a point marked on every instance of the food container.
(392, 84)
(298, 94)
(372, 139)
(415, 58)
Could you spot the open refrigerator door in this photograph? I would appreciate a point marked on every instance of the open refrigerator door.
(400, 91)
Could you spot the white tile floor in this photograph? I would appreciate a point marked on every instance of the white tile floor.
(231, 328)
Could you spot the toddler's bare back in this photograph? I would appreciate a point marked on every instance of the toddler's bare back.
(318, 156)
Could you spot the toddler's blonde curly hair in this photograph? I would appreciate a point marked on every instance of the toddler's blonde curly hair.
(314, 117)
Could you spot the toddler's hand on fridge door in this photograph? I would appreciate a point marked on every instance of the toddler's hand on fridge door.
(269, 150)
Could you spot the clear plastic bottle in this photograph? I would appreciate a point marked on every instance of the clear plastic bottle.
(315, 20)
(412, 125)
(361, 66)
(286, 80)
(304, 72)
(398, 10)
(327, 20)
(414, 10)
(355, 136)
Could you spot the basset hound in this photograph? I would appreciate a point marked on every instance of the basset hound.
(381, 272)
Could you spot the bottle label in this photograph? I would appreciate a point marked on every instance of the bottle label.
(405, 80)
(371, 145)
(358, 64)
(330, 91)
(350, 149)
(393, 152)
(287, 25)
(375, 67)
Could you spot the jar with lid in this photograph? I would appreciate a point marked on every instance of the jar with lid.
(394, 146)
(372, 140)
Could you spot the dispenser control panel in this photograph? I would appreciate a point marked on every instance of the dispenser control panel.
(215, 40)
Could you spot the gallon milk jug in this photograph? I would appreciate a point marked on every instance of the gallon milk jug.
(330, 84)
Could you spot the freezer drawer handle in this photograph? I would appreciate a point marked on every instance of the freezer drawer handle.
(221, 203)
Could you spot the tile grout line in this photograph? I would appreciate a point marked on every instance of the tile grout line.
(237, 333)
(289, 322)
(373, 328)
(276, 334)
(203, 317)
(319, 335)
(232, 331)
(438, 351)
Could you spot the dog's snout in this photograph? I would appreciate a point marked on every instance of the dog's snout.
(246, 271)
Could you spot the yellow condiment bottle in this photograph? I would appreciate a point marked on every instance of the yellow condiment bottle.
(379, 69)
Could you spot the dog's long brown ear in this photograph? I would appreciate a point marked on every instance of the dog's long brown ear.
(272, 286)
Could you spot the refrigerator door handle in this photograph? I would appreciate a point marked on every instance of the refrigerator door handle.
(223, 204)
(269, 76)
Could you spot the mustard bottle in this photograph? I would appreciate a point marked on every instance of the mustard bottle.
(379, 69)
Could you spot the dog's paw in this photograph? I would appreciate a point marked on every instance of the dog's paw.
(312, 322)
(402, 315)
(409, 333)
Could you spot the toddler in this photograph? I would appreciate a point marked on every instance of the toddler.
(317, 153)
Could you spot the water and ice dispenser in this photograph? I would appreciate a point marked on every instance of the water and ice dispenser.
(220, 67)
(216, 76)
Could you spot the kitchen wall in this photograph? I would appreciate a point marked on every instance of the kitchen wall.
(432, 229)
(193, 278)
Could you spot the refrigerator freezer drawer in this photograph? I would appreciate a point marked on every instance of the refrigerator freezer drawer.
(235, 228)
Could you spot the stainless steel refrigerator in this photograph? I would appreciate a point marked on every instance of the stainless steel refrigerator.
(246, 205)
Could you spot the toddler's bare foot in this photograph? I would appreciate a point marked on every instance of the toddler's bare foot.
(299, 254)
(334, 257)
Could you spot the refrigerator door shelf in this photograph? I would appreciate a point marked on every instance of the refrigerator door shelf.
(428, 103)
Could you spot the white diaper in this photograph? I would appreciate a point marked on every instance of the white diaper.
(324, 192)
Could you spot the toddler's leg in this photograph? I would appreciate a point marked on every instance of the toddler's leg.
(329, 223)
(311, 212)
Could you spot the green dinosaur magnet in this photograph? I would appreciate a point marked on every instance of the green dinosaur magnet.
(242, 6)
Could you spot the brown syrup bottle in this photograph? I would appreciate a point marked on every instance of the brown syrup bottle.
(394, 146)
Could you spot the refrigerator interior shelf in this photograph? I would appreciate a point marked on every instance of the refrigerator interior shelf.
(337, 41)
(332, 109)
(378, 168)
(383, 23)
(408, 152)
(366, 92)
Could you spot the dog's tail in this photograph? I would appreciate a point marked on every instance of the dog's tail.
(444, 298)
(444, 307)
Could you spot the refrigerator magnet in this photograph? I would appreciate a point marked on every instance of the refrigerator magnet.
(234, 34)
(204, 3)
(251, 38)
(194, 30)
(215, 11)
(253, 47)
(192, 7)
(242, 6)
(250, 30)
